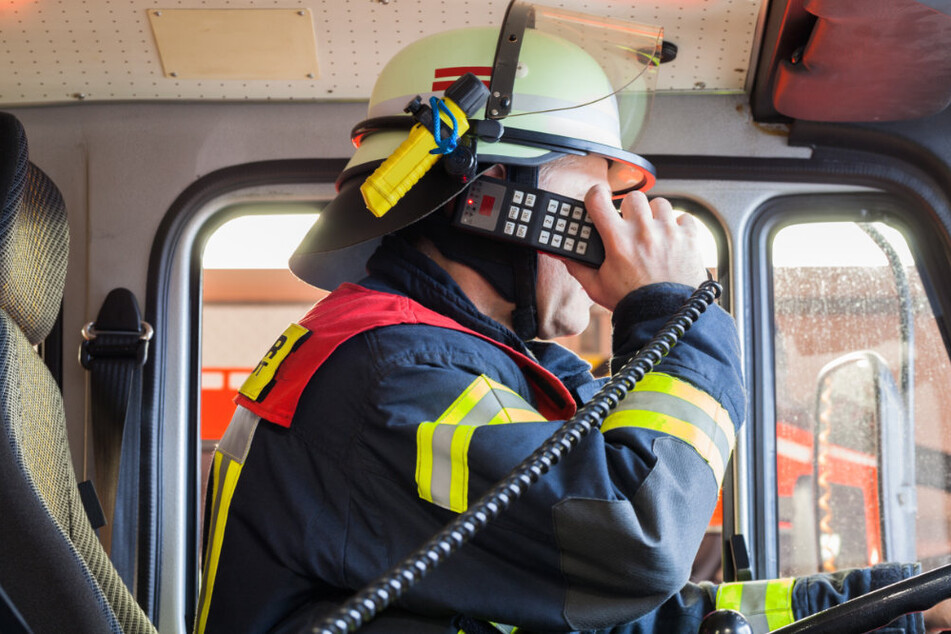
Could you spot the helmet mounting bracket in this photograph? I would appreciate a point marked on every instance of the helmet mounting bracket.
(518, 17)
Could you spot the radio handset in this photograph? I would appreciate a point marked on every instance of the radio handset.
(530, 217)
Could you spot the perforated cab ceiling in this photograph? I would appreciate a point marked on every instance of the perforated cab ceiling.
(54, 51)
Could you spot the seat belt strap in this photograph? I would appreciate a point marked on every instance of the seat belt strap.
(114, 349)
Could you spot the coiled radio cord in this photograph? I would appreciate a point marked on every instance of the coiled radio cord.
(379, 594)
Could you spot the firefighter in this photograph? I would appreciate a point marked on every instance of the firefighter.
(398, 400)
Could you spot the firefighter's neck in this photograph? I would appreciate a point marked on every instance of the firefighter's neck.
(476, 288)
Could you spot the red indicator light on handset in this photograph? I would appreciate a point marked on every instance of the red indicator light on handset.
(488, 202)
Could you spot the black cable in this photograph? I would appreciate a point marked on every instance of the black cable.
(380, 593)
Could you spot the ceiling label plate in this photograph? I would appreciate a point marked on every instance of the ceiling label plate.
(235, 43)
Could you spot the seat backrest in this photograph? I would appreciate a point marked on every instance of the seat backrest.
(52, 566)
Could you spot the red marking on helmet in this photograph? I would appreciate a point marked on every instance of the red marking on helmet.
(443, 77)
(458, 71)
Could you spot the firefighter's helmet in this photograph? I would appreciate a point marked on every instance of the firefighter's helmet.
(561, 83)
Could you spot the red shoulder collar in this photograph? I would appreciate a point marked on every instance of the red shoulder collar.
(276, 384)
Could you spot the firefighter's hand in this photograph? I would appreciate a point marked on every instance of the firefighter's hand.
(938, 618)
(643, 245)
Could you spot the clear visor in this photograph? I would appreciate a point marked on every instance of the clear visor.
(614, 72)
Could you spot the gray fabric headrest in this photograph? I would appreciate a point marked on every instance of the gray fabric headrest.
(34, 237)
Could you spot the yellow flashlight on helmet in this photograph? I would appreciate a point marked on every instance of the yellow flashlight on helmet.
(438, 129)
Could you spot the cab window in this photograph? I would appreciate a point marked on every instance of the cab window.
(861, 425)
(249, 296)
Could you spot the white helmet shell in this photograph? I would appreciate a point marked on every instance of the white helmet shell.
(563, 101)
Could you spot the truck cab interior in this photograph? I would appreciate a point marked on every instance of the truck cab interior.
(812, 138)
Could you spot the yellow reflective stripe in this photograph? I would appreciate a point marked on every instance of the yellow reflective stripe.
(221, 503)
(665, 404)
(660, 382)
(681, 429)
(779, 602)
(424, 460)
(465, 402)
(459, 484)
(512, 415)
(501, 627)
(729, 596)
(442, 446)
(766, 604)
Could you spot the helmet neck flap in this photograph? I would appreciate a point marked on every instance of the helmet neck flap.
(510, 269)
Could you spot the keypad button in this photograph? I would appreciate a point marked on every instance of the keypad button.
(526, 215)
(543, 237)
(522, 231)
(565, 209)
(517, 196)
(513, 212)
(552, 206)
(530, 200)
(582, 247)
(548, 222)
(509, 228)
(569, 244)
(560, 226)
(573, 228)
(556, 240)
(577, 213)
(586, 232)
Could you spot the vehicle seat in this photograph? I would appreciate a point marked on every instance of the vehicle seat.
(52, 566)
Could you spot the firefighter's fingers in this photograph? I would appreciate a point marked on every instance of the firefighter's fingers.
(662, 211)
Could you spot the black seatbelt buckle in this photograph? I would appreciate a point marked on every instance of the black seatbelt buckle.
(118, 344)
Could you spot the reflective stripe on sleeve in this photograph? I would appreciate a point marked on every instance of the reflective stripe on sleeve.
(226, 469)
(668, 405)
(766, 604)
(442, 446)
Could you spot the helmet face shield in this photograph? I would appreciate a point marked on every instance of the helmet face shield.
(607, 68)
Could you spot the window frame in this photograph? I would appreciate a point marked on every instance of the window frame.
(168, 561)
(923, 234)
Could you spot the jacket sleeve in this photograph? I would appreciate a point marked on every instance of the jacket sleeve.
(604, 538)
(769, 605)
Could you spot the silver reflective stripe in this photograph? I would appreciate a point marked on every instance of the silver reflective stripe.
(767, 605)
(444, 435)
(442, 464)
(236, 442)
(442, 470)
(682, 410)
(753, 603)
(487, 408)
(228, 462)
